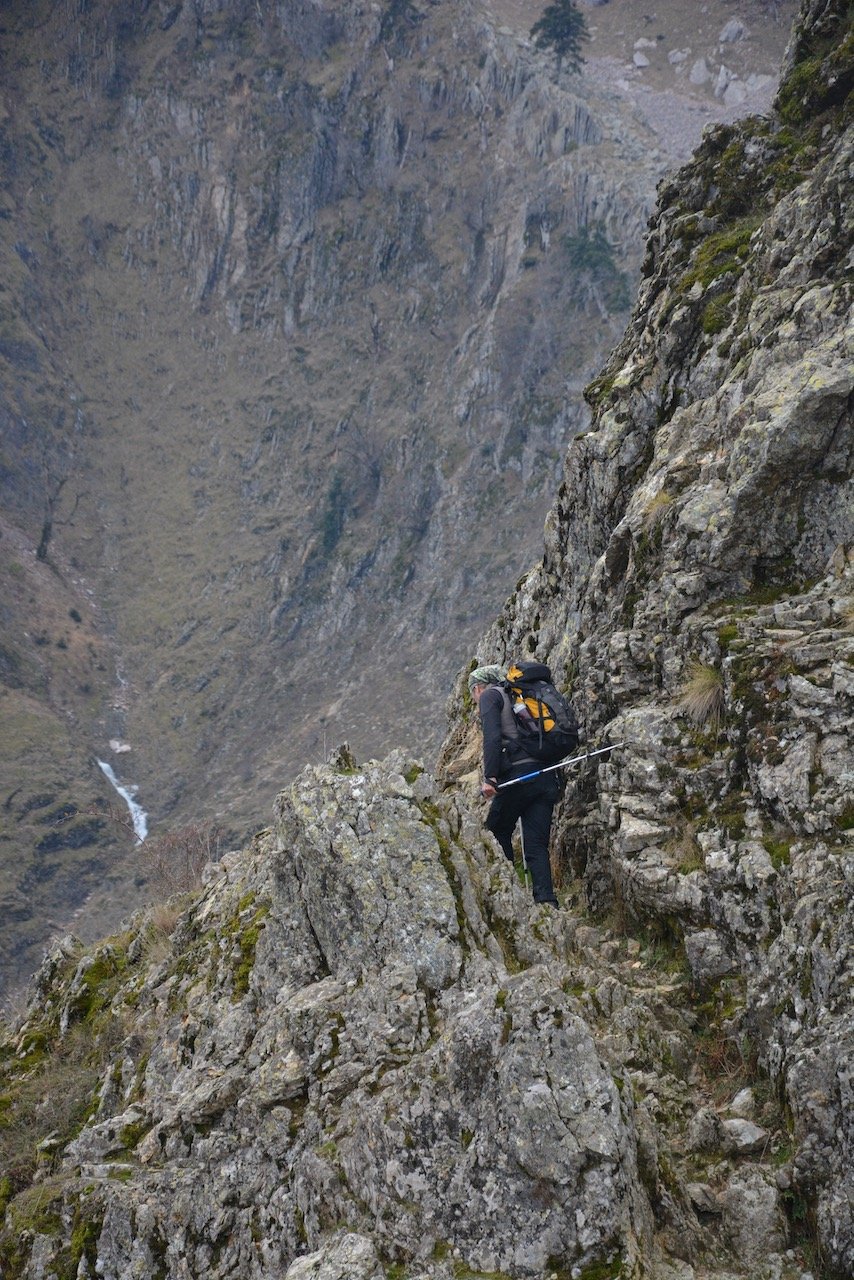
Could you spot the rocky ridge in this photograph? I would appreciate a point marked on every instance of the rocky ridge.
(364, 1052)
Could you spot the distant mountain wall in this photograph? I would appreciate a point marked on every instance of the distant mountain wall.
(299, 304)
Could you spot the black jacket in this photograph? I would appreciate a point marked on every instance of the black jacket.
(502, 757)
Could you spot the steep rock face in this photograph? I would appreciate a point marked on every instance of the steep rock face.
(696, 589)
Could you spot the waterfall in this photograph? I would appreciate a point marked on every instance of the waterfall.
(139, 817)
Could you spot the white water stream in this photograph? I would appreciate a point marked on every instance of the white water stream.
(138, 816)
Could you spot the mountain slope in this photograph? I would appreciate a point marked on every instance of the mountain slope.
(361, 1050)
(281, 329)
(299, 304)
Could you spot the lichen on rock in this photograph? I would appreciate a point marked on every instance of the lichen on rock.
(706, 524)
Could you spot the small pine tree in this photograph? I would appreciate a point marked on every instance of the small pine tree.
(562, 28)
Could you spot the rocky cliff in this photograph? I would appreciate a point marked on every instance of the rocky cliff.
(696, 592)
(361, 1051)
(357, 1041)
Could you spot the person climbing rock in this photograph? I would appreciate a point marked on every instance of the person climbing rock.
(504, 759)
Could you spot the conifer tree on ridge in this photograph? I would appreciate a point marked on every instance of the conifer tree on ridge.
(562, 27)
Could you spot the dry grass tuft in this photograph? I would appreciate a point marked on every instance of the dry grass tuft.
(702, 697)
(846, 613)
(45, 1106)
(163, 917)
(656, 508)
(157, 940)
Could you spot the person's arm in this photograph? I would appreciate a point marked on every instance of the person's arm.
(491, 703)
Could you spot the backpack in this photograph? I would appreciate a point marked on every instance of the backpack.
(546, 723)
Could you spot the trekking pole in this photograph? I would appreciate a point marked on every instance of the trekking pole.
(564, 764)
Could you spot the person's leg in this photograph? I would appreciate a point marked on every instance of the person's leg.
(501, 820)
(536, 828)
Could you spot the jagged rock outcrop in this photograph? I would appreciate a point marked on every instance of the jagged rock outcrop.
(363, 1051)
(361, 1032)
(696, 590)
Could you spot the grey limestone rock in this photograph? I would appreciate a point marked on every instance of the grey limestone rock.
(699, 73)
(733, 30)
(744, 1137)
(753, 1217)
(353, 1257)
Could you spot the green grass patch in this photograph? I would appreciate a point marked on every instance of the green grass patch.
(725, 251)
(823, 77)
(726, 635)
(597, 392)
(845, 820)
(731, 816)
(779, 851)
(247, 940)
(717, 315)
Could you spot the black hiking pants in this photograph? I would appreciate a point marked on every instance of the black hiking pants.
(532, 802)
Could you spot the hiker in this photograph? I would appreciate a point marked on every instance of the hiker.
(504, 759)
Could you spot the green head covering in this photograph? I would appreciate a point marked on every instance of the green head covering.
(486, 675)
